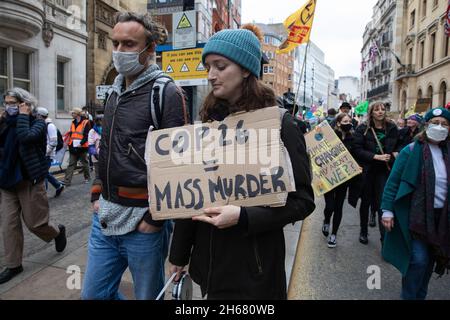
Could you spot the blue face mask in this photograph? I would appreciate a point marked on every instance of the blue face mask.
(12, 110)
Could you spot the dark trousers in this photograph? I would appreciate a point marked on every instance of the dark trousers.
(334, 202)
(74, 158)
(50, 178)
(371, 197)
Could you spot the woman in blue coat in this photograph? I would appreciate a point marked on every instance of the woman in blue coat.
(415, 207)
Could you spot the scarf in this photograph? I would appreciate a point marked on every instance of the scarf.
(151, 73)
(426, 225)
(10, 170)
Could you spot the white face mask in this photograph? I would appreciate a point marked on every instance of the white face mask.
(127, 63)
(436, 132)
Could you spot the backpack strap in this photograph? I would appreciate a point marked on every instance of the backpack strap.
(282, 111)
(157, 100)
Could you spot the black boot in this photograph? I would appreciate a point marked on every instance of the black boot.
(363, 238)
(61, 240)
(372, 222)
(10, 273)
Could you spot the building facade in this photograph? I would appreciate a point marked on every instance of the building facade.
(424, 52)
(100, 68)
(378, 54)
(313, 86)
(332, 99)
(226, 14)
(43, 50)
(278, 73)
(349, 90)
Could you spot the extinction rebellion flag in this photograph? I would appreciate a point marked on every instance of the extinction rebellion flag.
(298, 26)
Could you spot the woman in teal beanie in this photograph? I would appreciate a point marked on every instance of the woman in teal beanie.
(239, 252)
(415, 207)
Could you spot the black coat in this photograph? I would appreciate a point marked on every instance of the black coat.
(122, 148)
(405, 137)
(365, 145)
(32, 138)
(364, 149)
(247, 261)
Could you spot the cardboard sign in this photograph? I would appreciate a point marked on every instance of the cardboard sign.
(332, 164)
(239, 161)
(185, 67)
(422, 105)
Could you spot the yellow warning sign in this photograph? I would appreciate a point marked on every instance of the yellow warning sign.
(184, 64)
(169, 69)
(184, 23)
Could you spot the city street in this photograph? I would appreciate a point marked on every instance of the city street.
(319, 273)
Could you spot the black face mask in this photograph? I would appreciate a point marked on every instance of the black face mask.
(346, 127)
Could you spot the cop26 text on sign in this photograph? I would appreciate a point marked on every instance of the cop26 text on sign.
(240, 160)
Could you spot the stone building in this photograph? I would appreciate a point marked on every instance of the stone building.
(43, 50)
(378, 58)
(424, 51)
(100, 68)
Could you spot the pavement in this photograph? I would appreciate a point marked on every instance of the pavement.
(314, 271)
(49, 275)
(344, 272)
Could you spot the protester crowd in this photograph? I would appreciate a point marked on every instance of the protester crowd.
(404, 180)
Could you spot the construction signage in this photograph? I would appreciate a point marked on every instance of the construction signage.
(184, 29)
(185, 67)
(331, 163)
(240, 160)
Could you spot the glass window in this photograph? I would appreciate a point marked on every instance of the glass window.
(412, 19)
(3, 62)
(60, 76)
(433, 46)
(22, 84)
(3, 88)
(21, 65)
(17, 76)
(424, 8)
(60, 86)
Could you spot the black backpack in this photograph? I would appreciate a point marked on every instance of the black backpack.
(156, 105)
(60, 143)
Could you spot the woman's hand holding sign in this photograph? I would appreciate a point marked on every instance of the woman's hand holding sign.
(221, 217)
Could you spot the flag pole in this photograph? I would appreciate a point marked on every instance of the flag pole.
(300, 79)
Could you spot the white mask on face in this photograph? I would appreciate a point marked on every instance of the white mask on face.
(436, 132)
(127, 63)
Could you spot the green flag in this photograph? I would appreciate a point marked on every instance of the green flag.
(362, 107)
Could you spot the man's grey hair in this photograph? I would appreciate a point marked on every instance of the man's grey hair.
(154, 32)
(22, 96)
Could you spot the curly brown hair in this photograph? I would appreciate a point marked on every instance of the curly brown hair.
(154, 32)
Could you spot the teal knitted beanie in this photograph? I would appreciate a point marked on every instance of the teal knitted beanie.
(239, 45)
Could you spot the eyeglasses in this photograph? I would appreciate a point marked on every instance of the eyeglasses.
(5, 104)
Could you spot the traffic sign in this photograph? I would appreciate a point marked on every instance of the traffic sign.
(184, 29)
(185, 66)
(101, 91)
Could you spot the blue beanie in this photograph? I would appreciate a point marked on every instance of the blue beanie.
(437, 112)
(239, 45)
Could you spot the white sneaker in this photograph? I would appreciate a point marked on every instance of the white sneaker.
(332, 241)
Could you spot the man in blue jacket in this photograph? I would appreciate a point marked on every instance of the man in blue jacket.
(23, 168)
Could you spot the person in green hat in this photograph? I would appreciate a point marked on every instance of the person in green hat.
(415, 207)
